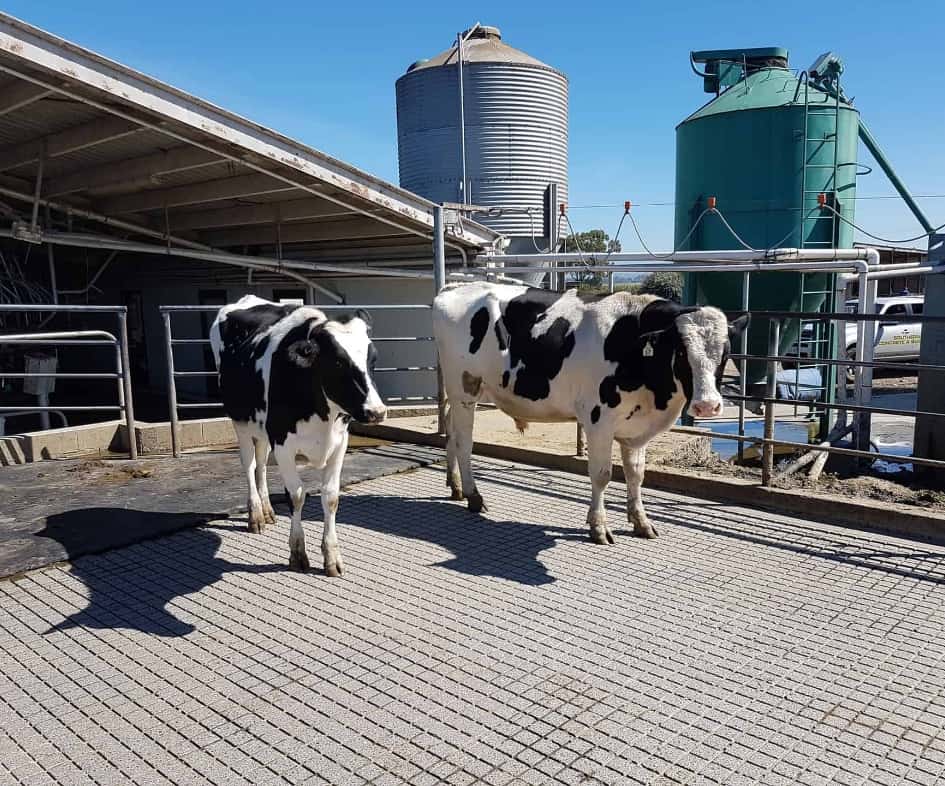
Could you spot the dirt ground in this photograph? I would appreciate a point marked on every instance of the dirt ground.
(682, 451)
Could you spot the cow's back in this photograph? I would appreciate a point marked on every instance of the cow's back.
(239, 338)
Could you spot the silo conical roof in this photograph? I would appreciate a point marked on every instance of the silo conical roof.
(484, 45)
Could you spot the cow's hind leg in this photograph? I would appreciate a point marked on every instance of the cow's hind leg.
(453, 479)
(331, 485)
(634, 464)
(285, 459)
(262, 482)
(254, 506)
(462, 419)
(599, 468)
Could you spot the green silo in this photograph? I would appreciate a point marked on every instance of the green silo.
(766, 146)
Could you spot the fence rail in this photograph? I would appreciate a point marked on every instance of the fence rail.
(73, 338)
(173, 374)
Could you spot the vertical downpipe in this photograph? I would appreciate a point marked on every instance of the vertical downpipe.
(439, 281)
(771, 389)
(462, 121)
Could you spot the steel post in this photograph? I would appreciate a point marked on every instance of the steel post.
(771, 389)
(439, 281)
(171, 385)
(129, 409)
(929, 435)
(865, 388)
(743, 368)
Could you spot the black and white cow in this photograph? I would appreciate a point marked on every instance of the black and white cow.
(623, 366)
(291, 379)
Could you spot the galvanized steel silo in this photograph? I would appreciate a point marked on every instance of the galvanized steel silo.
(516, 134)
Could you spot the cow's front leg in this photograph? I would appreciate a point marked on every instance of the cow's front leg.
(634, 464)
(599, 466)
(262, 482)
(331, 485)
(285, 459)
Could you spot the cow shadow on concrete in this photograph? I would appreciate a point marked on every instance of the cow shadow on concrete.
(136, 587)
(480, 545)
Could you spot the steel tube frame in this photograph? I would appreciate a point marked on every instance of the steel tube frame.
(82, 338)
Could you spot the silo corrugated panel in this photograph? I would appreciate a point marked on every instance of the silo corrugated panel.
(516, 123)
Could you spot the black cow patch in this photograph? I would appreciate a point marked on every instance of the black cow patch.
(654, 369)
(477, 329)
(307, 369)
(241, 385)
(505, 378)
(541, 358)
(595, 414)
(499, 336)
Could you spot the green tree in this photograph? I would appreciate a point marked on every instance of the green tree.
(592, 242)
(665, 285)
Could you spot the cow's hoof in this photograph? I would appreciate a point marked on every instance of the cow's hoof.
(299, 562)
(602, 536)
(334, 570)
(456, 495)
(476, 505)
(647, 531)
(269, 515)
(257, 520)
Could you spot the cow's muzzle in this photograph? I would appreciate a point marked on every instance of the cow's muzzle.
(706, 409)
(374, 415)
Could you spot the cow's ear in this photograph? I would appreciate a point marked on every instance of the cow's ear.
(304, 353)
(737, 326)
(659, 315)
(365, 318)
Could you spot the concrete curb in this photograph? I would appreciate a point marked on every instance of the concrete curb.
(883, 517)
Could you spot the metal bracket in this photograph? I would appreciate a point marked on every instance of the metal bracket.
(27, 234)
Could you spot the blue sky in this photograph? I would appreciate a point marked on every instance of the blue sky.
(324, 73)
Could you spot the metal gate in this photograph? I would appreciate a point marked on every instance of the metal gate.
(173, 373)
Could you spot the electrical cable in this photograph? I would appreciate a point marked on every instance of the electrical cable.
(846, 220)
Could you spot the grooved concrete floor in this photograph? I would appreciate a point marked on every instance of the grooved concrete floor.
(739, 648)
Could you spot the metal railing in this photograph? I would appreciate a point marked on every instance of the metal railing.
(857, 405)
(837, 400)
(73, 338)
(173, 374)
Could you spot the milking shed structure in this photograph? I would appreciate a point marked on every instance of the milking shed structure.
(119, 189)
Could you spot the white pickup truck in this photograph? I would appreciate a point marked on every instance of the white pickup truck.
(896, 340)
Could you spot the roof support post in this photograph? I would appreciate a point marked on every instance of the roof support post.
(38, 189)
(439, 281)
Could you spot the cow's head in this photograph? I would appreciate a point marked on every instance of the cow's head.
(706, 339)
(343, 356)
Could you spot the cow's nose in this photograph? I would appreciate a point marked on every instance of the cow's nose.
(707, 409)
(377, 415)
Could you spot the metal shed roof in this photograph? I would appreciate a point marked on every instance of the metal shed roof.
(132, 156)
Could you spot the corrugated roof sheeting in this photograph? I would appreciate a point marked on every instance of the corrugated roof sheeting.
(42, 118)
(155, 138)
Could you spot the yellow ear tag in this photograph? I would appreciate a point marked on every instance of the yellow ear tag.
(648, 350)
